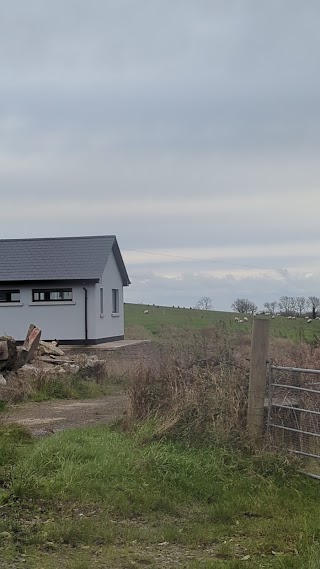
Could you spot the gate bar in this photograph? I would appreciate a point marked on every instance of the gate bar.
(295, 430)
(295, 387)
(296, 408)
(305, 453)
(296, 369)
(315, 476)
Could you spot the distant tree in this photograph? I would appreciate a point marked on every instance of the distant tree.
(244, 306)
(293, 307)
(285, 305)
(314, 303)
(301, 304)
(204, 303)
(290, 305)
(271, 306)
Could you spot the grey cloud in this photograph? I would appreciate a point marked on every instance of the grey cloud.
(151, 288)
(211, 76)
(108, 100)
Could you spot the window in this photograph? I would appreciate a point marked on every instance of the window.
(9, 295)
(101, 301)
(52, 295)
(115, 301)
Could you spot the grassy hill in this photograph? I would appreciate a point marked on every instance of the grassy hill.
(159, 318)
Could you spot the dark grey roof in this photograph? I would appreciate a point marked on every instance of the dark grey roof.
(61, 258)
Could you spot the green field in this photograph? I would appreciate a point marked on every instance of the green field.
(162, 317)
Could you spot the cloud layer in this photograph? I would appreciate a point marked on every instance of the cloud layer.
(186, 128)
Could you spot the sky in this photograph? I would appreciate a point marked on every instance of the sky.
(188, 128)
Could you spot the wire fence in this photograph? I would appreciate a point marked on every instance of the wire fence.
(293, 422)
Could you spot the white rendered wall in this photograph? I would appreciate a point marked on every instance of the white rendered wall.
(57, 320)
(107, 324)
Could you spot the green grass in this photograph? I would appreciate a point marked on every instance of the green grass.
(160, 318)
(99, 497)
(68, 387)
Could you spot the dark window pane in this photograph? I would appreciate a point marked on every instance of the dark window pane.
(52, 295)
(115, 301)
(9, 295)
(101, 301)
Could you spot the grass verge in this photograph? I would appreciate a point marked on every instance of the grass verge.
(98, 497)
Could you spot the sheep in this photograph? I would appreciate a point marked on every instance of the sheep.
(240, 321)
(267, 313)
(146, 312)
(273, 316)
(289, 317)
(309, 320)
(306, 317)
(236, 318)
(245, 319)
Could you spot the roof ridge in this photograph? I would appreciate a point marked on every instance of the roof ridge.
(57, 238)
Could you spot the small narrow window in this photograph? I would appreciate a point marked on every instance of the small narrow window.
(115, 300)
(9, 295)
(101, 301)
(52, 295)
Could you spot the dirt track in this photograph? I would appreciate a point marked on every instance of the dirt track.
(50, 417)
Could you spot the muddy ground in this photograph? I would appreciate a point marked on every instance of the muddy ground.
(50, 417)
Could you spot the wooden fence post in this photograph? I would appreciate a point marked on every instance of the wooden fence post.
(258, 376)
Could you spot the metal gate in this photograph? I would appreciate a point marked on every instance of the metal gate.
(293, 423)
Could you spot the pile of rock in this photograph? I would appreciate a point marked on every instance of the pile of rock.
(13, 358)
(46, 358)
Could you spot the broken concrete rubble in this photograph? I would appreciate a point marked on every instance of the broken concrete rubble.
(31, 343)
(46, 358)
(4, 353)
(12, 358)
(9, 353)
(56, 361)
(48, 348)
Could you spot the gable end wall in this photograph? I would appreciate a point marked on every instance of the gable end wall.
(108, 325)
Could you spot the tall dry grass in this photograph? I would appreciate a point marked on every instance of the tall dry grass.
(197, 391)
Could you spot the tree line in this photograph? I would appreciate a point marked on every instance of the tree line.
(286, 306)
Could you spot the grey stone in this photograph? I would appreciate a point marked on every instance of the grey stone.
(29, 370)
(11, 360)
(73, 368)
(4, 353)
(46, 348)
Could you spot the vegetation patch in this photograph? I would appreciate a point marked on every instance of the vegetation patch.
(101, 497)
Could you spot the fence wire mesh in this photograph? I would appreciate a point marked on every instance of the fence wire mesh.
(293, 423)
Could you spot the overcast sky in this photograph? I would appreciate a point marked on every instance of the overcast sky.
(188, 128)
